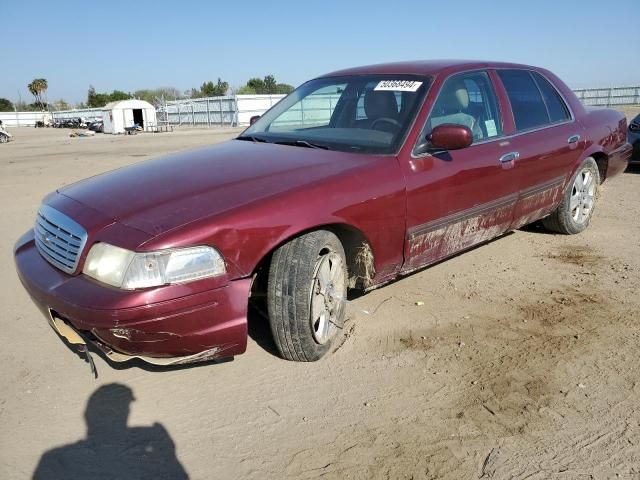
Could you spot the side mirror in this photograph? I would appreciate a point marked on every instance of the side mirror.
(449, 136)
(254, 119)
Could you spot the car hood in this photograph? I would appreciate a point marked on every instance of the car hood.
(159, 195)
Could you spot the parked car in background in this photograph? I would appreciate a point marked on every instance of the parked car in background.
(4, 135)
(78, 122)
(634, 139)
(96, 126)
(354, 179)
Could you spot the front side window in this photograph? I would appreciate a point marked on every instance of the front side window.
(527, 104)
(358, 113)
(467, 99)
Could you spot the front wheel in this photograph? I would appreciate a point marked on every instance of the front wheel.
(574, 213)
(306, 295)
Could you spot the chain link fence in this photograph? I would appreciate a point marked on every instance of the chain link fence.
(609, 97)
(229, 111)
(236, 110)
(213, 111)
(88, 114)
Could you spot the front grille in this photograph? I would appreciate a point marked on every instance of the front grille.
(59, 239)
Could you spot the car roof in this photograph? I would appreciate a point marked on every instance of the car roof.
(425, 67)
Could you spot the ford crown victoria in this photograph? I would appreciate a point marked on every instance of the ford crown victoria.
(354, 179)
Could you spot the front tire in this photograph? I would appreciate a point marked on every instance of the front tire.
(574, 213)
(306, 295)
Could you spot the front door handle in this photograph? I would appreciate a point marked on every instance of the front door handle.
(509, 157)
(573, 138)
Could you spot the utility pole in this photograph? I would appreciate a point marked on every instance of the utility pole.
(20, 102)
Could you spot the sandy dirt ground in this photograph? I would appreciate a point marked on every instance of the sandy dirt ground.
(521, 363)
(630, 111)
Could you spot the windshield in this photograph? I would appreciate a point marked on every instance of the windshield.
(359, 113)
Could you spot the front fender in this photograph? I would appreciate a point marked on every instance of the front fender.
(371, 200)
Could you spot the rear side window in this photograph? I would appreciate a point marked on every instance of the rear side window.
(529, 109)
(558, 110)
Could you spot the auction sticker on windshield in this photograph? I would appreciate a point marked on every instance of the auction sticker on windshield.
(398, 85)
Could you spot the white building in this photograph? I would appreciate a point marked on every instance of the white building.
(128, 113)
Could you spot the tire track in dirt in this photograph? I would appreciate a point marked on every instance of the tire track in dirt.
(505, 386)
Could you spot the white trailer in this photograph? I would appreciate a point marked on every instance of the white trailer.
(118, 116)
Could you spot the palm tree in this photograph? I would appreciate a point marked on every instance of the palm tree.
(37, 88)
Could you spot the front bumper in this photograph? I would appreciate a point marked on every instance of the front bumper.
(196, 325)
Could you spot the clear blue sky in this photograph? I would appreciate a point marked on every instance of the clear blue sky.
(129, 45)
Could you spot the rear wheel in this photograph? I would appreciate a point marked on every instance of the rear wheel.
(306, 295)
(574, 213)
(3, 138)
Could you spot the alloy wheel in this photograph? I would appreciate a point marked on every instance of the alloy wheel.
(326, 296)
(582, 196)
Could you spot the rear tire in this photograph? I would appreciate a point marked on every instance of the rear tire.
(306, 295)
(3, 138)
(574, 213)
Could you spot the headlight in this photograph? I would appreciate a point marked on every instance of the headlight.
(129, 270)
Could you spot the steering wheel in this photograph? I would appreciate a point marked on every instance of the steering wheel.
(393, 122)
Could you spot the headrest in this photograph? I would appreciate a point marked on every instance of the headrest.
(380, 104)
(455, 96)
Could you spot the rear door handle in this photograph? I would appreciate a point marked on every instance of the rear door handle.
(509, 157)
(573, 138)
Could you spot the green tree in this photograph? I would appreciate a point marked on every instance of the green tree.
(97, 100)
(28, 107)
(269, 84)
(6, 105)
(284, 88)
(61, 105)
(94, 99)
(156, 95)
(206, 90)
(266, 85)
(118, 95)
(221, 88)
(210, 89)
(38, 87)
(246, 90)
(256, 84)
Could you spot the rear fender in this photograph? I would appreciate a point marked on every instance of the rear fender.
(606, 141)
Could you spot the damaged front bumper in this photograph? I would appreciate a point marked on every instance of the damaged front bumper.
(74, 337)
(168, 325)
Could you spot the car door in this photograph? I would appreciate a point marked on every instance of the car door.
(547, 142)
(459, 198)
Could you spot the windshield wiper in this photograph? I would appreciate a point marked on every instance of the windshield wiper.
(251, 138)
(295, 143)
(302, 143)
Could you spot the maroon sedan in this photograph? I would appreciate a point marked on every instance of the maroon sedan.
(354, 179)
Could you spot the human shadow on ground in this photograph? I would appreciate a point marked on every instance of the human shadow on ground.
(112, 449)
